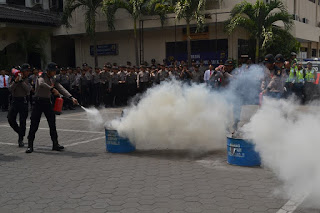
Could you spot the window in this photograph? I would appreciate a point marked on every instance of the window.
(314, 53)
(314, 1)
(17, 2)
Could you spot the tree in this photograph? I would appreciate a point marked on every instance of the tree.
(190, 10)
(282, 42)
(91, 8)
(259, 20)
(136, 8)
(29, 43)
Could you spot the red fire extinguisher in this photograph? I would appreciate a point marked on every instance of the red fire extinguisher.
(58, 106)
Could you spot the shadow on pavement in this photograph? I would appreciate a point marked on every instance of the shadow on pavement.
(9, 158)
(176, 154)
(66, 153)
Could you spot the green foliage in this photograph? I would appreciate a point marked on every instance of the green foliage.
(282, 42)
(259, 20)
(91, 8)
(191, 10)
(29, 42)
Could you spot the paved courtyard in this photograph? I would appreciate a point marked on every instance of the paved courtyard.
(86, 178)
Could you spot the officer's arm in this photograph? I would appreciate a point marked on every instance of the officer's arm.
(62, 90)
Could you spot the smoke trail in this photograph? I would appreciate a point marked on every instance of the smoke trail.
(178, 116)
(287, 137)
(95, 118)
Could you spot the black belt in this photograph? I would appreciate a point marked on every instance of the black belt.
(20, 98)
(42, 99)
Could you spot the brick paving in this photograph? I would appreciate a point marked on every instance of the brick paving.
(86, 178)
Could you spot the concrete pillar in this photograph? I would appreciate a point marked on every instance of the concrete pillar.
(233, 46)
(309, 53)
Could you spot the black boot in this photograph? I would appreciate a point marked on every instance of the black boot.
(30, 147)
(20, 141)
(56, 146)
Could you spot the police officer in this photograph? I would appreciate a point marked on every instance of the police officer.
(46, 85)
(84, 86)
(114, 85)
(105, 78)
(64, 80)
(143, 79)
(96, 80)
(131, 80)
(20, 89)
(310, 78)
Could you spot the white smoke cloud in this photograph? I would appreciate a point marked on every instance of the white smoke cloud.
(287, 138)
(176, 116)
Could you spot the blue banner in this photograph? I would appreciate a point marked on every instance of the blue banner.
(105, 49)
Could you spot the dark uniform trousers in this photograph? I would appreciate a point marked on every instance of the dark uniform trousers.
(85, 101)
(43, 105)
(114, 94)
(96, 93)
(66, 102)
(4, 98)
(18, 106)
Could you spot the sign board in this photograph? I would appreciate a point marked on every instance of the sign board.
(105, 49)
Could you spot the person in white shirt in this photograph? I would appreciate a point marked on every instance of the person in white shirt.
(4, 90)
(208, 74)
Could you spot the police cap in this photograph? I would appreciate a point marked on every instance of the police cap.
(228, 62)
(25, 67)
(309, 62)
(293, 54)
(84, 65)
(52, 67)
(269, 59)
(279, 58)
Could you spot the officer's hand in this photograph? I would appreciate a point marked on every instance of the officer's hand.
(55, 92)
(75, 101)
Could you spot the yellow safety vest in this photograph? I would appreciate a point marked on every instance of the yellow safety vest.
(310, 75)
(292, 75)
(300, 77)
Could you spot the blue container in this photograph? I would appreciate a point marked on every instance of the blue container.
(242, 153)
(117, 144)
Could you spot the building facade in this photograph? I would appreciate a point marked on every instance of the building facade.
(72, 46)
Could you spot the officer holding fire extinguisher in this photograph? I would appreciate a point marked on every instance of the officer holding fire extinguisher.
(46, 86)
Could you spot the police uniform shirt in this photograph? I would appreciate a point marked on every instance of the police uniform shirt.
(21, 88)
(96, 78)
(84, 82)
(105, 77)
(276, 84)
(76, 81)
(63, 79)
(72, 78)
(196, 76)
(144, 77)
(122, 76)
(33, 79)
(131, 78)
(163, 74)
(114, 79)
(88, 75)
(44, 85)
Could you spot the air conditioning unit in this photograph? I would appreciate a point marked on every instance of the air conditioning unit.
(305, 20)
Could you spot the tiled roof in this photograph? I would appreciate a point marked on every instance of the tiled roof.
(18, 14)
